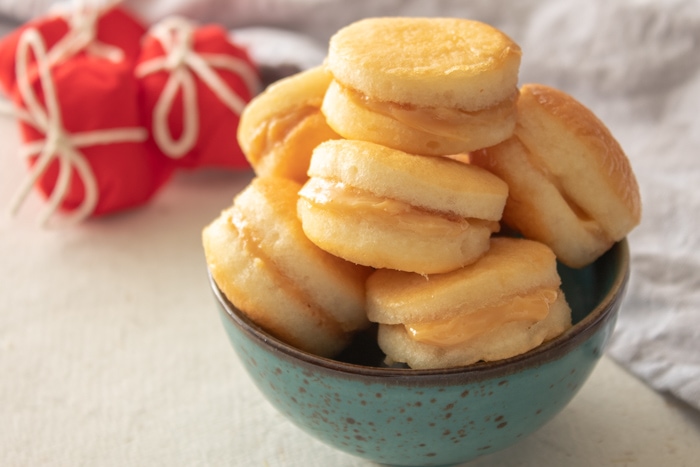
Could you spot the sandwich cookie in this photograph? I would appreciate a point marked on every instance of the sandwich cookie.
(429, 86)
(505, 304)
(385, 208)
(259, 257)
(280, 127)
(571, 185)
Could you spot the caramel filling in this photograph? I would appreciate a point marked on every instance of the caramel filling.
(464, 327)
(344, 199)
(588, 222)
(246, 232)
(274, 131)
(441, 121)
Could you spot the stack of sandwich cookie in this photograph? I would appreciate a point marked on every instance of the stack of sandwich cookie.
(382, 179)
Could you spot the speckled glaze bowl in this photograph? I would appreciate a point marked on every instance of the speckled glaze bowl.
(435, 417)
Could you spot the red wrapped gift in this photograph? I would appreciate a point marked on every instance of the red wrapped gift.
(83, 133)
(110, 32)
(194, 84)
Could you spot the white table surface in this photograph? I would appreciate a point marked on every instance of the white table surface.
(112, 354)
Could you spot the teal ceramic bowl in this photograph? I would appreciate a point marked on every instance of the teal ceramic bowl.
(434, 417)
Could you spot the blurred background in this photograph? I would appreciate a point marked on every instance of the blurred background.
(110, 353)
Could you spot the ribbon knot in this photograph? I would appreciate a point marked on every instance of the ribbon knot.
(176, 59)
(58, 144)
(57, 138)
(82, 35)
(177, 39)
(183, 62)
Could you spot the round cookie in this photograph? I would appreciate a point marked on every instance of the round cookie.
(280, 127)
(507, 340)
(261, 260)
(506, 303)
(385, 208)
(571, 185)
(430, 86)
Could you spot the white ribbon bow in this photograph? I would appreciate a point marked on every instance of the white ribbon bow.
(82, 17)
(183, 63)
(58, 143)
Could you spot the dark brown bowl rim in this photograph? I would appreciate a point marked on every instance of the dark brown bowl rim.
(552, 350)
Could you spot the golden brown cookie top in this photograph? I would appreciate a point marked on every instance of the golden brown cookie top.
(430, 62)
(511, 267)
(432, 183)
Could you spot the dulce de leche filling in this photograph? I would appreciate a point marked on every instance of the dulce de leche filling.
(246, 232)
(442, 121)
(345, 199)
(464, 327)
(275, 130)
